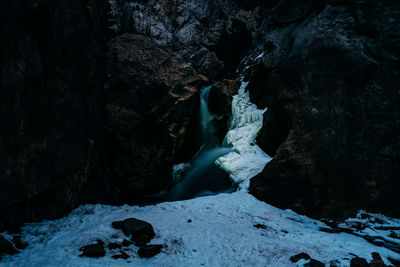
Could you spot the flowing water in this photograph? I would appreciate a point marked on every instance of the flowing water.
(202, 176)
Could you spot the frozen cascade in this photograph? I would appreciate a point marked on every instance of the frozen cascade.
(246, 159)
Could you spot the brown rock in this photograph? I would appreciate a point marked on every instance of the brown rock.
(151, 97)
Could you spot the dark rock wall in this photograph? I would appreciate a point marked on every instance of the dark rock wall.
(330, 76)
(98, 99)
(51, 80)
(151, 96)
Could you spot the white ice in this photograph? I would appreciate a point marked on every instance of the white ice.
(247, 159)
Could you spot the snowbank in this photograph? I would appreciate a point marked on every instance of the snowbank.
(221, 233)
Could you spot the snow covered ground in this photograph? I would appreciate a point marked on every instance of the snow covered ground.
(221, 233)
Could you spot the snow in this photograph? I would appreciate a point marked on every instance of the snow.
(221, 233)
(247, 159)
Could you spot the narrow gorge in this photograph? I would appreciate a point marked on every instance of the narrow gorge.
(200, 133)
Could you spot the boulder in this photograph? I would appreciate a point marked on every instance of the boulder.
(139, 231)
(93, 250)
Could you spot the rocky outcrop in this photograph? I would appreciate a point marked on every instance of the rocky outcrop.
(329, 76)
(51, 79)
(191, 28)
(151, 94)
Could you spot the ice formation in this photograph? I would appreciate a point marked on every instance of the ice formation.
(247, 159)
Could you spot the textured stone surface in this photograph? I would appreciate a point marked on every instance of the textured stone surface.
(151, 97)
(331, 82)
(51, 79)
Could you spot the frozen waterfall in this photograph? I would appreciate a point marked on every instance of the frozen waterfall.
(246, 159)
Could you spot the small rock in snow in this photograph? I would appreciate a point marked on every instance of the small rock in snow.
(122, 255)
(141, 232)
(18, 242)
(6, 247)
(93, 250)
(358, 262)
(260, 226)
(299, 256)
(149, 251)
(314, 263)
(126, 243)
(114, 246)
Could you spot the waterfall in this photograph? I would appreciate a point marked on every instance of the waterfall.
(202, 176)
(240, 157)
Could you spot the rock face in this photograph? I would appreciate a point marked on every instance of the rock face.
(151, 94)
(208, 31)
(51, 79)
(329, 75)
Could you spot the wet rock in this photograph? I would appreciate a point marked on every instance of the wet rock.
(139, 231)
(149, 251)
(300, 256)
(6, 247)
(93, 250)
(358, 262)
(19, 243)
(121, 255)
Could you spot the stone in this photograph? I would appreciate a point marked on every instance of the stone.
(19, 243)
(6, 248)
(121, 255)
(93, 250)
(149, 251)
(139, 231)
(358, 262)
(114, 246)
(300, 256)
(314, 263)
(126, 243)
